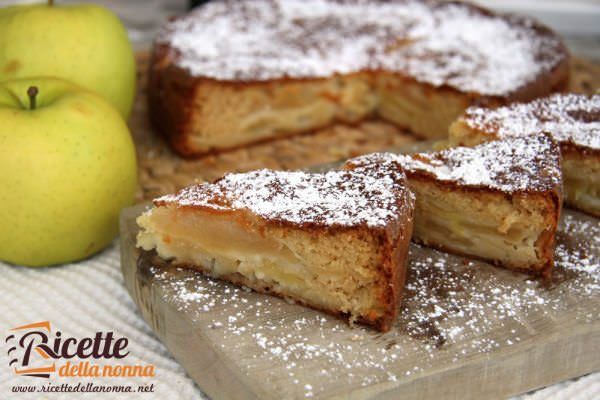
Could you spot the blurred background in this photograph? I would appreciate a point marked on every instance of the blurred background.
(578, 21)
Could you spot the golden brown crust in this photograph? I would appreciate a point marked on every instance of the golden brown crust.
(475, 190)
(569, 119)
(170, 94)
(172, 91)
(395, 270)
(572, 149)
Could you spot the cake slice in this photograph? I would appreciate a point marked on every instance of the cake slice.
(336, 241)
(499, 201)
(572, 120)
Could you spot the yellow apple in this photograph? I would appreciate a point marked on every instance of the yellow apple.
(67, 168)
(85, 44)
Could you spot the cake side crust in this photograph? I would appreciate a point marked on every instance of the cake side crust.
(180, 106)
(181, 114)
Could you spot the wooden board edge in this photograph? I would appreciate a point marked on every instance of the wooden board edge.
(570, 357)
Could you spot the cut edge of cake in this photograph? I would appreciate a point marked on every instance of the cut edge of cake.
(350, 263)
(504, 213)
(573, 121)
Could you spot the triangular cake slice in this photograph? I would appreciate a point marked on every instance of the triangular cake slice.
(498, 201)
(335, 241)
(572, 120)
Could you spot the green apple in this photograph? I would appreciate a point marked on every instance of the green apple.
(67, 168)
(86, 44)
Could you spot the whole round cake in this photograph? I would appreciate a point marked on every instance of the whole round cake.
(236, 72)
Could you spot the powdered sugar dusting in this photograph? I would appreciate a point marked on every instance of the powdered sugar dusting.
(438, 43)
(569, 118)
(529, 163)
(454, 310)
(336, 198)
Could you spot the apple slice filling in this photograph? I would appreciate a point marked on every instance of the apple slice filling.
(582, 182)
(262, 112)
(331, 271)
(492, 228)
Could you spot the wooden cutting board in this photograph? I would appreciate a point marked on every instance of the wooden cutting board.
(466, 330)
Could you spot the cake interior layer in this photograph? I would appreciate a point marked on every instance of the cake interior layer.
(231, 115)
(513, 232)
(581, 179)
(424, 110)
(580, 169)
(338, 272)
(460, 134)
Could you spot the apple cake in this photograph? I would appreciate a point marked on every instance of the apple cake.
(335, 241)
(572, 120)
(499, 201)
(231, 73)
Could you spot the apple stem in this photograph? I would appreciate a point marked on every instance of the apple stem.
(50, 3)
(32, 93)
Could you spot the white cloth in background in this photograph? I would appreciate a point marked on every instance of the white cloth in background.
(81, 299)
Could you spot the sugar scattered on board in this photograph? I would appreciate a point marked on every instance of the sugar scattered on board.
(453, 308)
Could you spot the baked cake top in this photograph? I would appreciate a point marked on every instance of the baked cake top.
(568, 118)
(453, 44)
(525, 164)
(374, 197)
